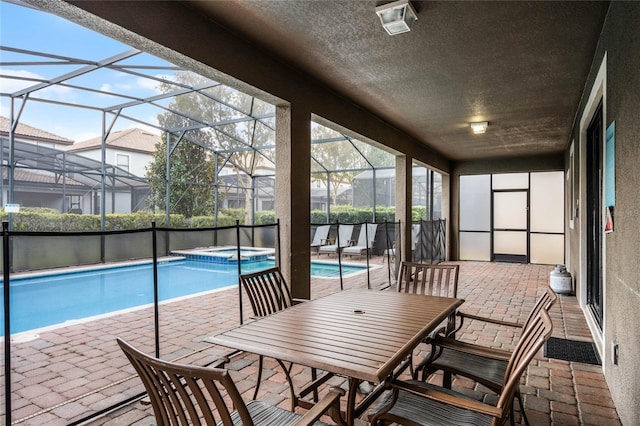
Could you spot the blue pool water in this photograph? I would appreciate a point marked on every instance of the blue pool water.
(328, 270)
(54, 299)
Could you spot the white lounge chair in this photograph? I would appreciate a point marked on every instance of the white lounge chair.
(321, 237)
(344, 240)
(366, 240)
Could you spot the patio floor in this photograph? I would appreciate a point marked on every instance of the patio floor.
(67, 373)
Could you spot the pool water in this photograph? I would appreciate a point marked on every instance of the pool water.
(331, 270)
(54, 299)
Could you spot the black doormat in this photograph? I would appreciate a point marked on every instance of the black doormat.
(571, 350)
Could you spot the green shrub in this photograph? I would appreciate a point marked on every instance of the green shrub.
(318, 216)
(38, 219)
(236, 214)
(142, 220)
(419, 213)
(348, 214)
(38, 210)
(210, 221)
(68, 222)
(264, 217)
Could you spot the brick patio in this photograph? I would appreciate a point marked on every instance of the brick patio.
(71, 372)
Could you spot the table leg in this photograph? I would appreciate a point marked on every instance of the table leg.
(351, 400)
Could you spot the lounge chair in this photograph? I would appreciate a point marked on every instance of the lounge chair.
(187, 394)
(344, 240)
(363, 246)
(321, 237)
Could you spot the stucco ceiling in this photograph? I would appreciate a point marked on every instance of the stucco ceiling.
(521, 66)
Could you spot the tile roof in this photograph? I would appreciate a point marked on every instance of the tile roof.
(25, 131)
(131, 139)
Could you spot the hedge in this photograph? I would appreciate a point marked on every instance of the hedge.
(37, 221)
(49, 220)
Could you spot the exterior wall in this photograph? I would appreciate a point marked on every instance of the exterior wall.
(137, 160)
(620, 41)
(122, 202)
(37, 199)
(60, 146)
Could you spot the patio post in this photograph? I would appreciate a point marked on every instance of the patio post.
(293, 195)
(404, 186)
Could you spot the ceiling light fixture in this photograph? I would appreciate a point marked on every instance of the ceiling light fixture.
(397, 17)
(479, 127)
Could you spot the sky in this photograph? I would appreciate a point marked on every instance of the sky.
(29, 29)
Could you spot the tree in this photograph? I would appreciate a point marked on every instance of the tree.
(210, 117)
(192, 176)
(339, 158)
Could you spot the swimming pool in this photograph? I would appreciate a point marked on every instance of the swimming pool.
(227, 254)
(48, 300)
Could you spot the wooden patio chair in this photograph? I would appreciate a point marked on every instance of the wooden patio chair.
(418, 403)
(433, 280)
(479, 363)
(430, 280)
(191, 395)
(268, 293)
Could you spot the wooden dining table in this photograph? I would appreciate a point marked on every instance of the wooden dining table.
(363, 335)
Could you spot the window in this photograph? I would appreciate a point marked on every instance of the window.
(122, 161)
(74, 204)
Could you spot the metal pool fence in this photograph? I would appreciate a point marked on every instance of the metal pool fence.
(84, 354)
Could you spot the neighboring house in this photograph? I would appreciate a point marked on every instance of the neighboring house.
(320, 194)
(32, 187)
(318, 197)
(33, 135)
(386, 189)
(232, 196)
(47, 175)
(130, 150)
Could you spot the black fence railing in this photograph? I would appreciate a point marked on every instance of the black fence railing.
(430, 244)
(55, 281)
(148, 280)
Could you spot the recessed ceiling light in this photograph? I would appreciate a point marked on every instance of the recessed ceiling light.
(479, 127)
(397, 17)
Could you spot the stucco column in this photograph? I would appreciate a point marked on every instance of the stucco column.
(293, 195)
(446, 213)
(404, 186)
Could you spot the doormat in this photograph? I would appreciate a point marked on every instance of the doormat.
(571, 350)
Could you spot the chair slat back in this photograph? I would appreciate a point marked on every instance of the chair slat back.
(267, 291)
(544, 302)
(534, 336)
(433, 280)
(185, 394)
